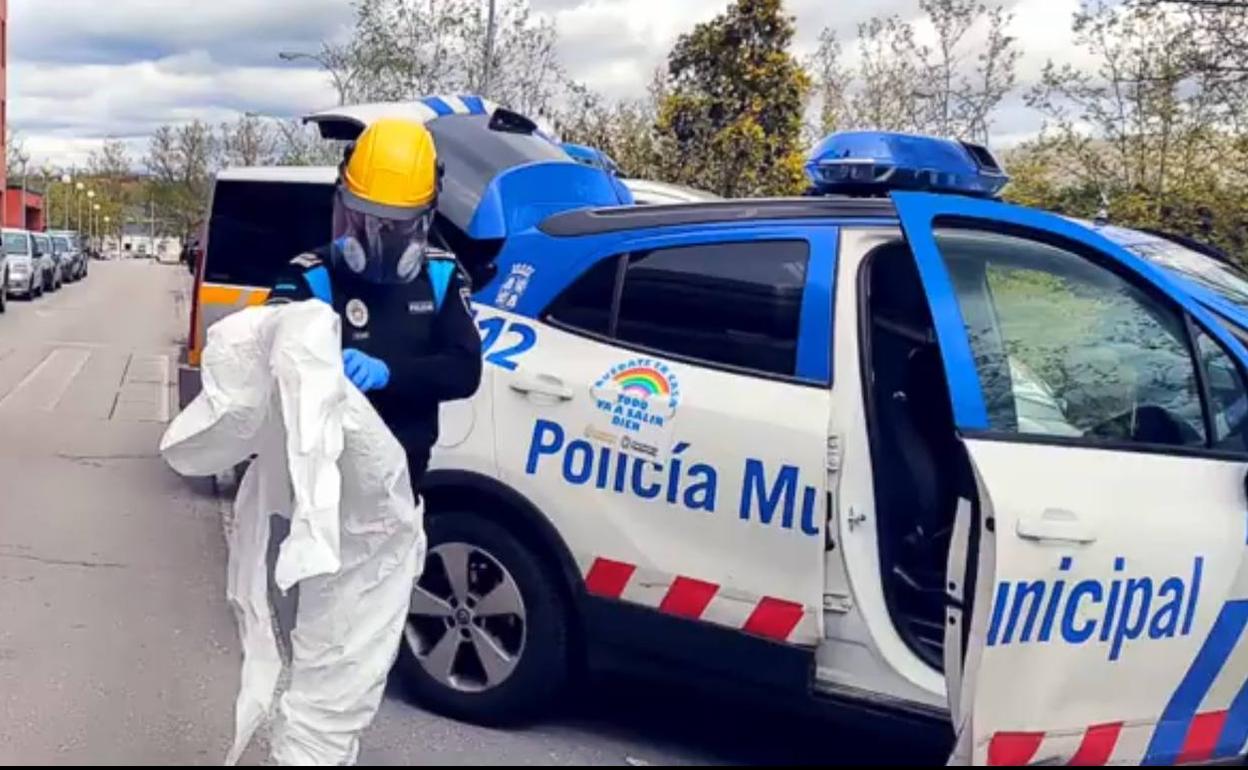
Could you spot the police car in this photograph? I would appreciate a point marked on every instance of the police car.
(907, 448)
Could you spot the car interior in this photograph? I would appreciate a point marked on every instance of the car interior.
(919, 466)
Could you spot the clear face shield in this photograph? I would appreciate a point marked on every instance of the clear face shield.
(381, 249)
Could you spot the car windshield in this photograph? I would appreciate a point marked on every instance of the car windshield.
(15, 243)
(62, 243)
(1211, 273)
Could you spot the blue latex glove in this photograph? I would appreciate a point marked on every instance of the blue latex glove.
(364, 371)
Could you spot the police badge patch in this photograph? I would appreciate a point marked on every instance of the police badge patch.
(357, 314)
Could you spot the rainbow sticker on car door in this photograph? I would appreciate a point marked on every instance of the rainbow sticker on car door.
(635, 404)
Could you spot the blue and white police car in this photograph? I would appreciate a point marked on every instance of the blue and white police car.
(925, 451)
(897, 445)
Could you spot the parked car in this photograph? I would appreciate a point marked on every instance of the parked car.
(77, 262)
(25, 269)
(651, 193)
(48, 261)
(5, 265)
(903, 448)
(64, 258)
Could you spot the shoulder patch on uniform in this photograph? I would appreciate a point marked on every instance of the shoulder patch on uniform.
(319, 283)
(306, 260)
(440, 277)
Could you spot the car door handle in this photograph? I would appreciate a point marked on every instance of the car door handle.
(541, 385)
(1055, 525)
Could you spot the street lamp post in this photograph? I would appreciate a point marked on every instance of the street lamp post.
(90, 209)
(95, 224)
(45, 178)
(341, 83)
(107, 230)
(489, 52)
(82, 188)
(66, 180)
(25, 225)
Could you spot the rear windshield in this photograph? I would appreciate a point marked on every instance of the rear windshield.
(16, 243)
(257, 227)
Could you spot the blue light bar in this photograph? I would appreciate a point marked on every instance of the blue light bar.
(875, 162)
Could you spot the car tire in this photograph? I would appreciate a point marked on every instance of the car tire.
(540, 652)
(4, 294)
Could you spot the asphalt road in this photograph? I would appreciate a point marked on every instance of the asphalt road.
(116, 645)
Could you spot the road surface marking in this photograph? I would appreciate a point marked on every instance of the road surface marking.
(21, 385)
(78, 359)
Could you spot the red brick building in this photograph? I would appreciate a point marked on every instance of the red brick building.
(13, 202)
(4, 87)
(17, 208)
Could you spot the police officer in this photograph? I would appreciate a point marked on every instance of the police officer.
(408, 338)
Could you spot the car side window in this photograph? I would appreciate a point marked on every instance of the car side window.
(734, 304)
(1228, 399)
(1066, 348)
(586, 305)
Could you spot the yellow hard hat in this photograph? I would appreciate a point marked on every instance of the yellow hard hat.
(392, 171)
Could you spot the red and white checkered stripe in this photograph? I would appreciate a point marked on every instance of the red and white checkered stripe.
(687, 597)
(1108, 744)
(1091, 747)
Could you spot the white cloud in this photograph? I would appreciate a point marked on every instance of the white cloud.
(82, 70)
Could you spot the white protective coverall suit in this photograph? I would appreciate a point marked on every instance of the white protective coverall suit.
(273, 387)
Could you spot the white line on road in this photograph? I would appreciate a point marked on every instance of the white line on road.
(26, 380)
(81, 357)
(46, 384)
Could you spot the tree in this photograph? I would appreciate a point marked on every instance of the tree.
(902, 85)
(109, 169)
(962, 102)
(732, 119)
(1218, 29)
(832, 82)
(301, 145)
(248, 141)
(403, 49)
(16, 158)
(625, 130)
(181, 161)
(1145, 134)
(890, 79)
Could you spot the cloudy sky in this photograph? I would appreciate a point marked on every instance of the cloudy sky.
(83, 70)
